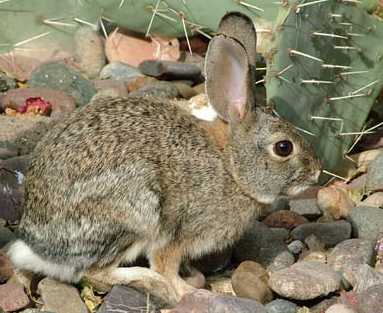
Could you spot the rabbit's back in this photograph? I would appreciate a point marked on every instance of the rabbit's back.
(117, 173)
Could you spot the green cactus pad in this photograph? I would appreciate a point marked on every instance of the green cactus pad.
(325, 84)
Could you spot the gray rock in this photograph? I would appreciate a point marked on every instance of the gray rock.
(366, 222)
(307, 207)
(61, 77)
(89, 51)
(323, 305)
(296, 247)
(203, 301)
(349, 255)
(375, 174)
(328, 233)
(171, 70)
(339, 308)
(125, 299)
(368, 301)
(158, 89)
(6, 236)
(281, 306)
(36, 311)
(366, 277)
(263, 245)
(12, 175)
(119, 71)
(6, 83)
(305, 280)
(60, 298)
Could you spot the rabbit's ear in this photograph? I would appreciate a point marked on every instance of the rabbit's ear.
(228, 78)
(240, 27)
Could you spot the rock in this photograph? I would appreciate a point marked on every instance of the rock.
(22, 133)
(220, 283)
(8, 150)
(349, 255)
(335, 201)
(374, 200)
(307, 207)
(6, 235)
(127, 300)
(329, 233)
(6, 83)
(339, 308)
(120, 71)
(317, 256)
(365, 277)
(262, 245)
(60, 101)
(6, 268)
(35, 311)
(58, 76)
(305, 281)
(375, 173)
(368, 301)
(12, 178)
(314, 243)
(89, 51)
(112, 87)
(214, 262)
(249, 280)
(281, 306)
(132, 50)
(284, 219)
(157, 89)
(322, 306)
(171, 70)
(296, 247)
(60, 298)
(139, 82)
(203, 301)
(379, 253)
(366, 222)
(195, 278)
(185, 90)
(12, 297)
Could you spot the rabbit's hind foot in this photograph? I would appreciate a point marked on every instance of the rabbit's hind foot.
(139, 277)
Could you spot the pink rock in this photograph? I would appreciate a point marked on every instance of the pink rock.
(6, 268)
(132, 50)
(60, 101)
(12, 297)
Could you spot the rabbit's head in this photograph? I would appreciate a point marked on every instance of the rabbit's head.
(268, 157)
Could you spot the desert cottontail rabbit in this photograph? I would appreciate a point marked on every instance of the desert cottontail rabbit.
(137, 176)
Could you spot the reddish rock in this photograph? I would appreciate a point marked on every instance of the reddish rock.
(335, 201)
(12, 297)
(6, 269)
(139, 82)
(16, 98)
(133, 50)
(203, 301)
(284, 219)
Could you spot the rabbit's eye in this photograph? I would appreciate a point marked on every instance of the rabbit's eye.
(283, 148)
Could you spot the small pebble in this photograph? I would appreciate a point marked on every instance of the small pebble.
(249, 280)
(284, 219)
(120, 71)
(307, 207)
(12, 297)
(296, 247)
(305, 280)
(60, 298)
(375, 173)
(349, 255)
(329, 233)
(366, 222)
(339, 308)
(281, 306)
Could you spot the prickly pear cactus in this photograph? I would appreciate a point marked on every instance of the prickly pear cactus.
(324, 72)
(27, 24)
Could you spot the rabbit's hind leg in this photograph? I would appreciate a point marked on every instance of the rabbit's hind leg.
(140, 277)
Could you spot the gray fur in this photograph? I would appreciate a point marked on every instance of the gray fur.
(140, 172)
